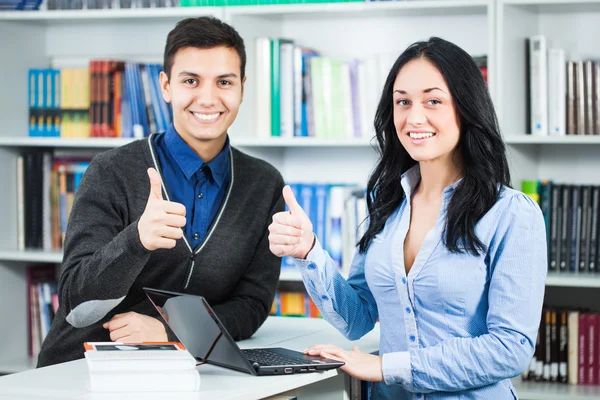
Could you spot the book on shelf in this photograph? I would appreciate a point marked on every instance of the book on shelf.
(571, 216)
(289, 302)
(538, 85)
(301, 92)
(135, 4)
(563, 95)
(148, 367)
(109, 4)
(107, 98)
(42, 304)
(20, 5)
(46, 187)
(567, 348)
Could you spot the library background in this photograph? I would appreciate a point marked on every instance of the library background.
(81, 78)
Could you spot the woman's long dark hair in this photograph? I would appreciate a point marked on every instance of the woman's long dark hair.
(480, 147)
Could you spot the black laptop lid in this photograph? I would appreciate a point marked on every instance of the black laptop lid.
(198, 328)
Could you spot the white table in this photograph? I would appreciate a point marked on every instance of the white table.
(70, 380)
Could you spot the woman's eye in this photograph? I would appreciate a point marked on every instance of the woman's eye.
(402, 102)
(434, 102)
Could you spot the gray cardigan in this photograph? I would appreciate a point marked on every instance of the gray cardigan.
(105, 265)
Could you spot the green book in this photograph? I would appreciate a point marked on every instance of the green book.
(531, 189)
(275, 88)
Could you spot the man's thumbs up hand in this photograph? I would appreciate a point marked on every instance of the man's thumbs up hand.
(291, 232)
(155, 184)
(160, 225)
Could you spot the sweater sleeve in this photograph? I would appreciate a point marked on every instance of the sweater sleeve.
(102, 256)
(250, 302)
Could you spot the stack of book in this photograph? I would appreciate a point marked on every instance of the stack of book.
(141, 367)
(20, 5)
(563, 95)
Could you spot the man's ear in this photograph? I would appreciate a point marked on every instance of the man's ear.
(243, 84)
(165, 87)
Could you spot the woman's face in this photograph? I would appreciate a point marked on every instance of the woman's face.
(424, 115)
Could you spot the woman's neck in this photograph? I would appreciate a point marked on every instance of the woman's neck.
(436, 175)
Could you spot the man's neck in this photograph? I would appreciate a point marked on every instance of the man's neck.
(207, 149)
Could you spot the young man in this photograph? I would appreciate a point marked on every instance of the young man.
(181, 211)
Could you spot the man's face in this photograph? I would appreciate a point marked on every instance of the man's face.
(205, 91)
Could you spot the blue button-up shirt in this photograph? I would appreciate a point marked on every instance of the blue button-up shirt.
(457, 326)
(199, 186)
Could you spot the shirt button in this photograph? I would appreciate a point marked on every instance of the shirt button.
(404, 281)
(200, 196)
(523, 340)
(196, 236)
(407, 310)
(412, 338)
(324, 297)
(311, 266)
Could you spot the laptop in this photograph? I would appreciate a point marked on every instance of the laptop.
(197, 326)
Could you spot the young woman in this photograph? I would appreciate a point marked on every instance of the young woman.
(453, 261)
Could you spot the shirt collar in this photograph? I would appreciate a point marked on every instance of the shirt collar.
(411, 178)
(189, 162)
(219, 166)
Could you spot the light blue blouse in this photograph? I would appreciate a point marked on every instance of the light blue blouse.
(457, 326)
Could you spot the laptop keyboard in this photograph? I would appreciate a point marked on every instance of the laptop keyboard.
(268, 358)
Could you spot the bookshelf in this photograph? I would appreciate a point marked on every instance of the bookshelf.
(60, 16)
(572, 26)
(568, 24)
(554, 391)
(65, 38)
(552, 140)
(31, 256)
(493, 27)
(24, 142)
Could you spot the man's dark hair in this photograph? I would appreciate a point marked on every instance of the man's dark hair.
(203, 33)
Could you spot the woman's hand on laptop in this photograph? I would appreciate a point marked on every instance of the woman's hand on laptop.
(291, 232)
(132, 327)
(363, 366)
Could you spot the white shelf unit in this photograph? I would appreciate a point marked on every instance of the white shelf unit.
(32, 256)
(573, 280)
(340, 30)
(343, 30)
(108, 14)
(573, 26)
(553, 140)
(568, 24)
(242, 142)
(554, 391)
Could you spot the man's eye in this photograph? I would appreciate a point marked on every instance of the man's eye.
(224, 82)
(190, 81)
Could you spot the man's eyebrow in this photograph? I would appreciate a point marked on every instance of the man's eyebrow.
(229, 75)
(424, 91)
(188, 73)
(195, 75)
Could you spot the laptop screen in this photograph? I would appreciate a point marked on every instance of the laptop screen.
(198, 328)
